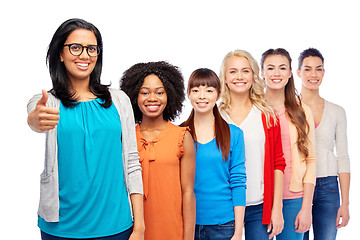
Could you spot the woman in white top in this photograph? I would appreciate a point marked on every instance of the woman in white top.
(243, 105)
(330, 122)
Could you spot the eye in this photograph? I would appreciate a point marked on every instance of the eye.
(194, 90)
(92, 48)
(160, 93)
(283, 68)
(270, 68)
(76, 47)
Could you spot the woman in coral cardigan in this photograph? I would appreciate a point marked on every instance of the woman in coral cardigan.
(243, 104)
(298, 138)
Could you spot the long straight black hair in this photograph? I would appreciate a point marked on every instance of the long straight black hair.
(58, 72)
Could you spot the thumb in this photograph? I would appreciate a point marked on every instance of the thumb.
(43, 99)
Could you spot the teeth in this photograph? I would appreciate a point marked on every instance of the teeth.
(82, 64)
(153, 108)
(276, 80)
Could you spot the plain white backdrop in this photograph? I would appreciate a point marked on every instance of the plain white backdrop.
(188, 34)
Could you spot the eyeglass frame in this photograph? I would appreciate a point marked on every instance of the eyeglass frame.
(82, 49)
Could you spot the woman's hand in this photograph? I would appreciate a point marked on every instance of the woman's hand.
(43, 118)
(277, 223)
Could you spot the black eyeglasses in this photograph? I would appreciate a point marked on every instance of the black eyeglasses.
(77, 49)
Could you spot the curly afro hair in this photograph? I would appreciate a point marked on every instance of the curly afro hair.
(170, 76)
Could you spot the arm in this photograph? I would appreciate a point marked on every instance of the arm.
(238, 183)
(343, 168)
(239, 212)
(343, 211)
(187, 166)
(304, 218)
(277, 219)
(42, 118)
(138, 213)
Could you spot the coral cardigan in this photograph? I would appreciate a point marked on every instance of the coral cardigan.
(274, 160)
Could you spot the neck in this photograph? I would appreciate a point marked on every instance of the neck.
(152, 123)
(201, 119)
(239, 101)
(81, 88)
(310, 95)
(275, 97)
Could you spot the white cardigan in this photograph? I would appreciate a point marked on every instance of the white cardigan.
(331, 133)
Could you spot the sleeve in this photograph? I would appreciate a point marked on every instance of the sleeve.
(342, 156)
(237, 168)
(279, 162)
(134, 169)
(310, 174)
(182, 132)
(32, 102)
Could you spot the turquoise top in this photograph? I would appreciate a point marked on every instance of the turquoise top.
(92, 193)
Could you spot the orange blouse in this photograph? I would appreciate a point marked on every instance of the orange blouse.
(160, 162)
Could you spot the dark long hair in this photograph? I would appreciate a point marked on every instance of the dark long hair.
(58, 72)
(293, 104)
(207, 77)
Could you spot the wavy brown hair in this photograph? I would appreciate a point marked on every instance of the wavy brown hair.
(293, 103)
(207, 77)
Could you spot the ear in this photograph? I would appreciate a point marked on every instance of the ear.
(61, 57)
(298, 73)
(262, 74)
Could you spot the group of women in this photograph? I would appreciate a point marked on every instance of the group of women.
(246, 163)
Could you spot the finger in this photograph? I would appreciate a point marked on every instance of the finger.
(268, 228)
(52, 110)
(43, 99)
(46, 115)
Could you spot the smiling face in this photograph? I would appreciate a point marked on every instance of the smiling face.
(203, 98)
(311, 72)
(79, 67)
(152, 97)
(238, 75)
(276, 71)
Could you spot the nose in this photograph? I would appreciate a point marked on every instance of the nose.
(201, 94)
(84, 54)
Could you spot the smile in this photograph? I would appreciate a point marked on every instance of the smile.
(152, 108)
(82, 66)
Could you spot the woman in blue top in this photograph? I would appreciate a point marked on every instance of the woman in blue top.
(220, 162)
(92, 176)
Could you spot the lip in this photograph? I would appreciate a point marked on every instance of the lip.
(82, 65)
(152, 107)
(239, 83)
(313, 81)
(276, 80)
(202, 104)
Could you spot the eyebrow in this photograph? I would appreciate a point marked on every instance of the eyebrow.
(149, 88)
(315, 67)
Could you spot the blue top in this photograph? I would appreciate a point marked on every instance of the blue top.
(93, 197)
(220, 185)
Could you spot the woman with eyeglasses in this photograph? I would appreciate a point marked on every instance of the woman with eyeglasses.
(91, 185)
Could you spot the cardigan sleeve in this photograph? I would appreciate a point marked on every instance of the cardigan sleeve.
(342, 156)
(279, 160)
(310, 174)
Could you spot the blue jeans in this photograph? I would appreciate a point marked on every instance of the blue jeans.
(326, 203)
(291, 208)
(254, 229)
(121, 236)
(215, 232)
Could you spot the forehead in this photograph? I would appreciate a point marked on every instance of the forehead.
(152, 81)
(276, 60)
(82, 36)
(236, 62)
(312, 61)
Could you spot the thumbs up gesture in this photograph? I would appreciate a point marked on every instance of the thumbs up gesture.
(43, 118)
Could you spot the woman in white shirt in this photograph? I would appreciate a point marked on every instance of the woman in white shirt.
(330, 122)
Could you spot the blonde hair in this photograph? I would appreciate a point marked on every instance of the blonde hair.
(256, 91)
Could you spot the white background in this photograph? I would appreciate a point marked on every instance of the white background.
(189, 34)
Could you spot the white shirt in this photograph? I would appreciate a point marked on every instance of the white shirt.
(254, 137)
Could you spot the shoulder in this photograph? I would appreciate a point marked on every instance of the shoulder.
(117, 93)
(334, 107)
(235, 131)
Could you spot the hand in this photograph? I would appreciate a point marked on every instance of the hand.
(277, 223)
(43, 118)
(343, 213)
(237, 235)
(137, 235)
(303, 221)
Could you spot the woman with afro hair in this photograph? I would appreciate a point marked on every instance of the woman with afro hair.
(167, 152)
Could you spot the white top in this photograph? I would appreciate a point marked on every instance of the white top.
(254, 138)
(331, 132)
